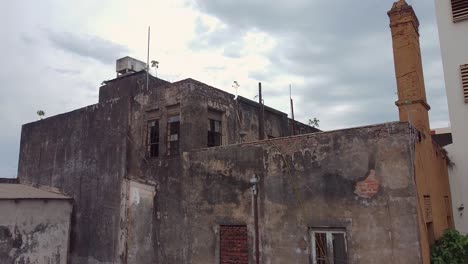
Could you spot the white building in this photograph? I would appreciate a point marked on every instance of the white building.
(452, 20)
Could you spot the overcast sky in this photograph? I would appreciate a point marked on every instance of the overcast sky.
(336, 54)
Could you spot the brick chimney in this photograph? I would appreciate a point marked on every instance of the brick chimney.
(412, 103)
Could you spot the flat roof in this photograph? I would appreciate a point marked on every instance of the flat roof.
(9, 191)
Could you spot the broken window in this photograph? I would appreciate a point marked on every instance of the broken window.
(214, 133)
(328, 246)
(173, 135)
(233, 244)
(153, 138)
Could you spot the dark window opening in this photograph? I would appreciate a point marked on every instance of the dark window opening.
(329, 247)
(430, 233)
(448, 210)
(233, 245)
(173, 132)
(153, 138)
(214, 133)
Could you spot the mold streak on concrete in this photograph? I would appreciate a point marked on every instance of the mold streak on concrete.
(34, 231)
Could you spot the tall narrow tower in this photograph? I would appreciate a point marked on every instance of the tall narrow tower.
(412, 103)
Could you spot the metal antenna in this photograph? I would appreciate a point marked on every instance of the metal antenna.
(292, 111)
(147, 59)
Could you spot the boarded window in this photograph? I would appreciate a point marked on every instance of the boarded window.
(464, 77)
(427, 208)
(214, 133)
(459, 10)
(430, 233)
(153, 138)
(448, 211)
(233, 245)
(328, 246)
(173, 135)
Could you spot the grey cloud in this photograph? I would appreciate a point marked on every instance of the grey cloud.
(227, 38)
(215, 68)
(200, 27)
(8, 167)
(233, 50)
(88, 46)
(346, 45)
(65, 71)
(27, 39)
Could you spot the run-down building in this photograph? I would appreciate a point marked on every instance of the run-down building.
(34, 225)
(165, 172)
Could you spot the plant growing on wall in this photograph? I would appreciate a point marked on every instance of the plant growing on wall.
(314, 122)
(41, 113)
(451, 248)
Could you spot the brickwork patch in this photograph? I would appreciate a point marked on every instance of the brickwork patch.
(234, 245)
(368, 187)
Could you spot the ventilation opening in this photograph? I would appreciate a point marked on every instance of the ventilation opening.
(464, 77)
(459, 10)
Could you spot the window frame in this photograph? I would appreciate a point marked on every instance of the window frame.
(149, 143)
(213, 133)
(173, 145)
(329, 241)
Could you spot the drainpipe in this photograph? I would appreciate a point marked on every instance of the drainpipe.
(254, 181)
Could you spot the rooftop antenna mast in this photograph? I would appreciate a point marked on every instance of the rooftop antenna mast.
(147, 58)
(292, 111)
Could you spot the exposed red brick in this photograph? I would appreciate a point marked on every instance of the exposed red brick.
(234, 245)
(368, 187)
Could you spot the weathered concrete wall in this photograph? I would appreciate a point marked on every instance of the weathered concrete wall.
(137, 218)
(128, 86)
(83, 154)
(34, 231)
(301, 128)
(87, 154)
(193, 101)
(360, 179)
(276, 122)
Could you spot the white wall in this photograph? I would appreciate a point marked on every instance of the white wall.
(454, 48)
(34, 231)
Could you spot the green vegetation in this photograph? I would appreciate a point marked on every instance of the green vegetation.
(40, 113)
(314, 122)
(451, 248)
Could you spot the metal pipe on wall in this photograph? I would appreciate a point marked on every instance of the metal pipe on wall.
(261, 118)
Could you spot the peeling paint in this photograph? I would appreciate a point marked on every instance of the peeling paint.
(35, 232)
